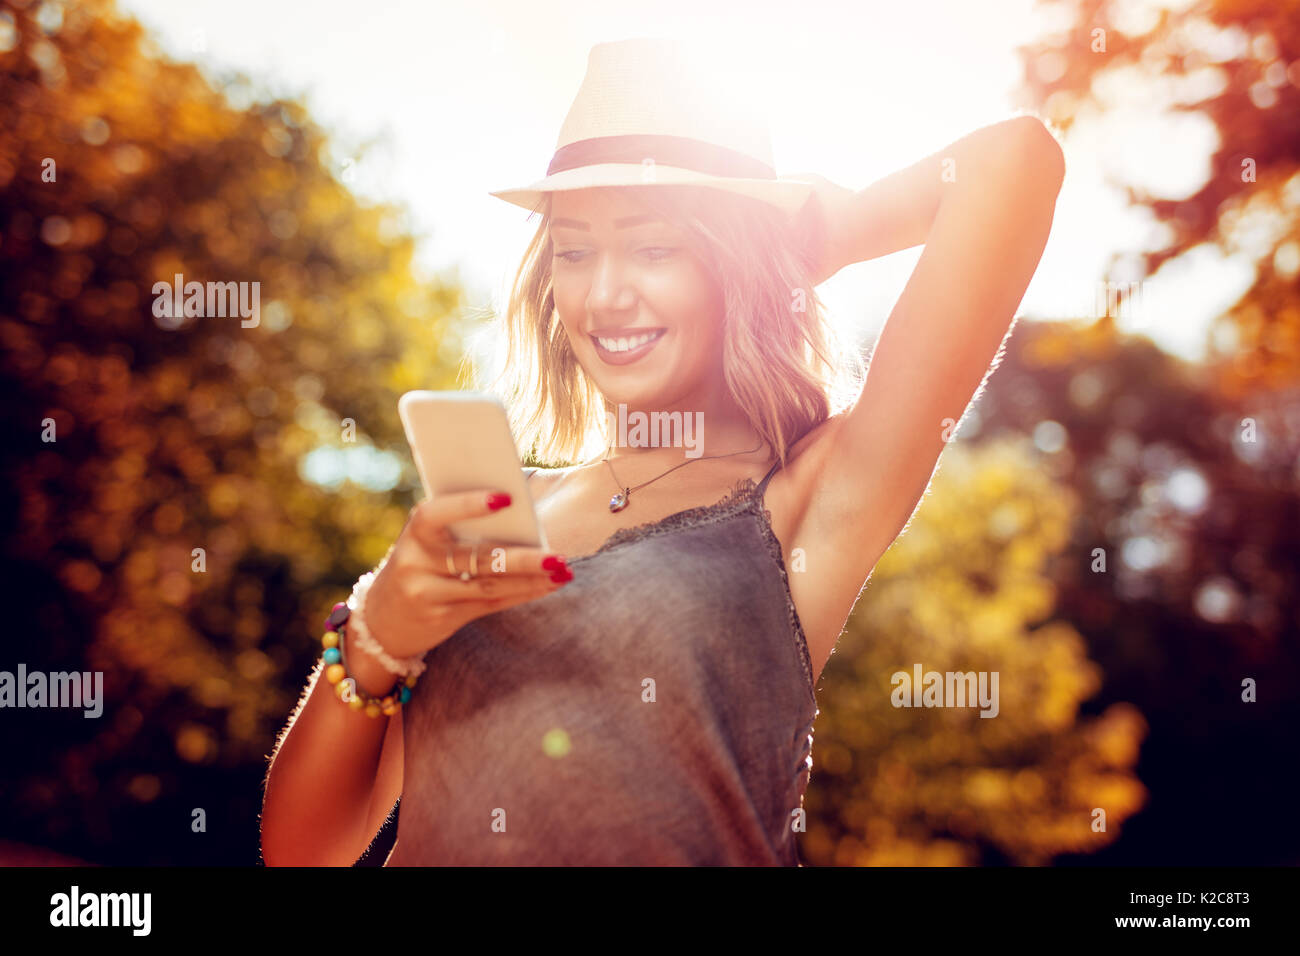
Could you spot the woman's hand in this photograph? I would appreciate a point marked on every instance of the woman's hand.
(415, 603)
(823, 225)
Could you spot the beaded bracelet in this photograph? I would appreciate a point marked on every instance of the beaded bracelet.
(345, 687)
(401, 666)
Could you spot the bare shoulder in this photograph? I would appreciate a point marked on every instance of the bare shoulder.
(535, 478)
(542, 481)
(806, 456)
(794, 487)
(856, 507)
(817, 440)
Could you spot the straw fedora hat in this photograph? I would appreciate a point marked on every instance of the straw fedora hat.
(646, 115)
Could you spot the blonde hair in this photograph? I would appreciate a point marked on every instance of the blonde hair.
(784, 365)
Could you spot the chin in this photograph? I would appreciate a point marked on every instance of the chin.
(633, 397)
(642, 386)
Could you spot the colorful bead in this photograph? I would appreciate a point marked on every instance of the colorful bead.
(345, 687)
(337, 616)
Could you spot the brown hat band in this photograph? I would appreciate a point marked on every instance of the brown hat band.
(680, 151)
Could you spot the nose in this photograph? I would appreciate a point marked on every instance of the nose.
(610, 291)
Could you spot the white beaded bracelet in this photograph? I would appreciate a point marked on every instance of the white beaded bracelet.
(401, 666)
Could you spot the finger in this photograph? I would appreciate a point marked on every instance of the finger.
(493, 559)
(501, 603)
(429, 519)
(511, 590)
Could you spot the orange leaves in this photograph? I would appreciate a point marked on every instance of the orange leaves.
(964, 592)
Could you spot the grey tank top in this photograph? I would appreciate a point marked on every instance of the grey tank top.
(657, 710)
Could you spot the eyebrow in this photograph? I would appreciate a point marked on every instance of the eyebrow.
(625, 223)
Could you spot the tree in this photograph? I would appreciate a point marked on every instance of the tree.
(965, 589)
(1235, 63)
(160, 528)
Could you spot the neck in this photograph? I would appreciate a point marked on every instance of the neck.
(682, 430)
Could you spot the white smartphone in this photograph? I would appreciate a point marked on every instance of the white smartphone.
(461, 441)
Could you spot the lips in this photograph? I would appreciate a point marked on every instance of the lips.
(624, 346)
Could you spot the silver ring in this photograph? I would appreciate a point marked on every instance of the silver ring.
(469, 575)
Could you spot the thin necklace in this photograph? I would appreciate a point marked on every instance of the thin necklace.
(620, 500)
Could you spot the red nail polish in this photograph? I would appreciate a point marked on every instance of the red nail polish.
(562, 577)
(498, 500)
(554, 562)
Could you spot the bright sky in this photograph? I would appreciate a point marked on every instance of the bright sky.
(469, 98)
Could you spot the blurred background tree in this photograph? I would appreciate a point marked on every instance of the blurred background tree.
(1185, 475)
(1085, 439)
(962, 591)
(1192, 469)
(1230, 65)
(175, 435)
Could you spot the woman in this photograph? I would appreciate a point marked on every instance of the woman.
(645, 695)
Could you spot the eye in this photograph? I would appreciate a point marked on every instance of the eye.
(654, 253)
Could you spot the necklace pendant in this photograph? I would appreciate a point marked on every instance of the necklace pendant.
(618, 502)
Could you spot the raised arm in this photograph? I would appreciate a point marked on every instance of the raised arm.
(983, 206)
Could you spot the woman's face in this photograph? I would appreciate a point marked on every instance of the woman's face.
(620, 275)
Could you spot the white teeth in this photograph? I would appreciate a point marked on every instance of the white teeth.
(625, 344)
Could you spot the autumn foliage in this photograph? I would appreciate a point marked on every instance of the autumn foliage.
(1111, 531)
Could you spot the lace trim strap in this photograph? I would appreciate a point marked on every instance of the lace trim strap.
(762, 485)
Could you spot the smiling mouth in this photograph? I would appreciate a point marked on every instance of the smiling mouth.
(627, 346)
(627, 343)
